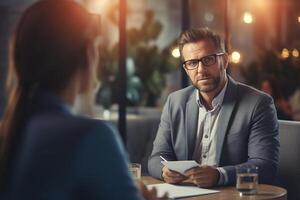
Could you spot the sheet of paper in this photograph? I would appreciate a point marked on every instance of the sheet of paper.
(179, 191)
(180, 166)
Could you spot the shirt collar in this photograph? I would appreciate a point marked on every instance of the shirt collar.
(217, 101)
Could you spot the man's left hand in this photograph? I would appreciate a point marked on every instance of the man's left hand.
(203, 176)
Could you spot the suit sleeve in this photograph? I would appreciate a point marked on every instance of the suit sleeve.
(263, 143)
(162, 144)
(103, 168)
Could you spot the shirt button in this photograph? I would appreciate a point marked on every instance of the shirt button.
(206, 136)
(204, 156)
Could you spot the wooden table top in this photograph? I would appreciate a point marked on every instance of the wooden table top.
(230, 192)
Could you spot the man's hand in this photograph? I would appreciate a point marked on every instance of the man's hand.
(203, 176)
(171, 176)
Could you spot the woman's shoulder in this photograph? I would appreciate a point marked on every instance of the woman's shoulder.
(75, 127)
(92, 126)
(90, 122)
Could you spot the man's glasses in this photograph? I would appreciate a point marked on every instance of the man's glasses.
(206, 61)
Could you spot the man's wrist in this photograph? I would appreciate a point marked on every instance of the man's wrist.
(222, 176)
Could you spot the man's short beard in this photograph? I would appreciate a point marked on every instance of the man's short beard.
(215, 85)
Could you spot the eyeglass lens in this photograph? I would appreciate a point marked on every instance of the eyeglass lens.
(206, 61)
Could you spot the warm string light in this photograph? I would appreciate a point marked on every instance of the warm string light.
(295, 53)
(285, 53)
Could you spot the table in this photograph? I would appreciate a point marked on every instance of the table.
(230, 193)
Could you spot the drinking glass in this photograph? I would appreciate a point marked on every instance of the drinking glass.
(247, 179)
(135, 170)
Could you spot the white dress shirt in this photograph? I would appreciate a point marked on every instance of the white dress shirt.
(206, 140)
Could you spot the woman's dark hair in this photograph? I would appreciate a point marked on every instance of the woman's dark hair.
(49, 46)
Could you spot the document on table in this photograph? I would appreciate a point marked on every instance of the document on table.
(179, 191)
(180, 166)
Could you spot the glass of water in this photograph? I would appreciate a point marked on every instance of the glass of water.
(247, 179)
(135, 170)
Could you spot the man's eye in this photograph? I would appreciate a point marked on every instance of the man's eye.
(192, 63)
(208, 59)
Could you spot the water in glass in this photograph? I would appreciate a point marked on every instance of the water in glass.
(247, 183)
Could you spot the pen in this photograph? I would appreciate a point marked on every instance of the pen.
(163, 159)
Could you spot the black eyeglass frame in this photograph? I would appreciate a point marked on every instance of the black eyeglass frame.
(201, 60)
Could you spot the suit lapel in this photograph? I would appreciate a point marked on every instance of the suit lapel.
(228, 104)
(191, 121)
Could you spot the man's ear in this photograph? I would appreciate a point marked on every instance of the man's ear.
(226, 60)
(186, 71)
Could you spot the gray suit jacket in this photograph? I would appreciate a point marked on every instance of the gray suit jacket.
(247, 133)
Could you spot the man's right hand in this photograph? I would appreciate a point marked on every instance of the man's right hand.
(171, 176)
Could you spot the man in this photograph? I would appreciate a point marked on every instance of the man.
(217, 121)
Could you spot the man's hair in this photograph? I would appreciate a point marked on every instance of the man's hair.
(197, 34)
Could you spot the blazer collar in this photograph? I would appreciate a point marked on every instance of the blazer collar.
(191, 122)
(228, 105)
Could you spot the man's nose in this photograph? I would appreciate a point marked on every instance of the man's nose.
(200, 67)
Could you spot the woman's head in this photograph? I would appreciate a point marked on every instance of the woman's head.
(53, 46)
(54, 40)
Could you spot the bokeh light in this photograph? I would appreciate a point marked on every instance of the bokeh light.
(295, 53)
(209, 17)
(248, 19)
(235, 57)
(175, 52)
(96, 6)
(285, 53)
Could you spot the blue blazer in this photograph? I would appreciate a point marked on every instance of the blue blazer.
(64, 157)
(247, 132)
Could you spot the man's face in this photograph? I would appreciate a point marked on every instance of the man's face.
(208, 79)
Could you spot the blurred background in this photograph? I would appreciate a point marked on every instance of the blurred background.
(263, 38)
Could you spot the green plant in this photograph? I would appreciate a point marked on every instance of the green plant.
(147, 65)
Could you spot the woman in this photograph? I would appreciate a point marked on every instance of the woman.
(46, 152)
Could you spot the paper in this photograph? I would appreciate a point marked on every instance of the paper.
(180, 166)
(179, 191)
